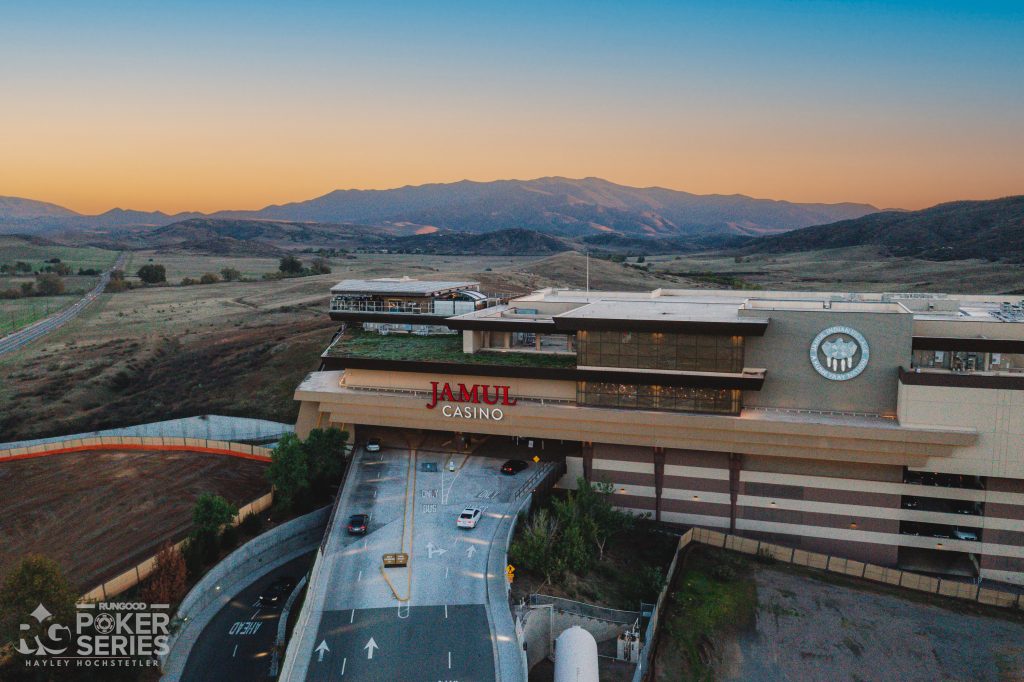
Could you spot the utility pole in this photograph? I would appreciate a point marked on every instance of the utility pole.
(588, 272)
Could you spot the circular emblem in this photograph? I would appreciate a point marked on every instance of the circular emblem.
(104, 623)
(839, 353)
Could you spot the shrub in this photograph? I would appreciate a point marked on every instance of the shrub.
(168, 582)
(50, 284)
(209, 278)
(229, 537)
(230, 274)
(152, 274)
(290, 265)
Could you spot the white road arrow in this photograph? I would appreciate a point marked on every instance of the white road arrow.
(470, 552)
(432, 550)
(370, 647)
(322, 649)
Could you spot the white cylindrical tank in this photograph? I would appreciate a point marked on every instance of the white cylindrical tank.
(576, 656)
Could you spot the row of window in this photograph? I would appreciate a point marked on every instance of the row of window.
(660, 350)
(673, 398)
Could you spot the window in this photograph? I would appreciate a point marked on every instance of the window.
(671, 398)
(659, 350)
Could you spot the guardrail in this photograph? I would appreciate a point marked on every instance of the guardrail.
(587, 610)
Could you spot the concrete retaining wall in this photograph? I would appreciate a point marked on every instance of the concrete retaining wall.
(234, 572)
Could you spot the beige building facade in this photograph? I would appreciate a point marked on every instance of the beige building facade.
(884, 428)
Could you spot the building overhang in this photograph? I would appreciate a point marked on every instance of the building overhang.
(975, 344)
(748, 380)
(388, 318)
(949, 379)
(807, 438)
(752, 327)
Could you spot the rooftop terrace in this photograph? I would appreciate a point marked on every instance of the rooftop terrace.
(439, 349)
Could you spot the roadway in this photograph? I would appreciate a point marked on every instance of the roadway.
(23, 337)
(430, 620)
(237, 644)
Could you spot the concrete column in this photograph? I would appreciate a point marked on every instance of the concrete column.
(735, 466)
(659, 480)
(588, 461)
(508, 339)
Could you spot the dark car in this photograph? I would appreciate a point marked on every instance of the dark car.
(358, 524)
(276, 593)
(513, 466)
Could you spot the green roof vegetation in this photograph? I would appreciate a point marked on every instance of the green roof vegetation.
(445, 348)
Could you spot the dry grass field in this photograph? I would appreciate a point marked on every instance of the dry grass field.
(99, 513)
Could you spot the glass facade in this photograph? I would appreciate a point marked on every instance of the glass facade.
(674, 398)
(660, 350)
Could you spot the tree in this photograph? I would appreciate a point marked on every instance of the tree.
(290, 265)
(537, 544)
(168, 582)
(325, 453)
(152, 274)
(36, 580)
(28, 289)
(209, 278)
(288, 471)
(230, 274)
(320, 266)
(22, 266)
(50, 284)
(210, 513)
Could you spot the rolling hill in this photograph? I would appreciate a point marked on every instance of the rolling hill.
(992, 230)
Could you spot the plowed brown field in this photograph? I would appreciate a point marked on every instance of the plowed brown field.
(100, 513)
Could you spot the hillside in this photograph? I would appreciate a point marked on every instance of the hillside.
(502, 242)
(19, 209)
(955, 231)
(558, 206)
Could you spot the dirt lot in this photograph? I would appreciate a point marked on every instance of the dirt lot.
(811, 630)
(99, 513)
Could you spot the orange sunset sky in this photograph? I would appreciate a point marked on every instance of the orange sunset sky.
(232, 106)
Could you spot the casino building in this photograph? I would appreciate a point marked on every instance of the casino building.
(881, 427)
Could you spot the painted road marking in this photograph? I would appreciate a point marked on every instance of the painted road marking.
(449, 660)
(446, 572)
(400, 607)
(445, 610)
(343, 662)
(255, 615)
(244, 627)
(322, 649)
(470, 551)
(359, 577)
(432, 550)
(370, 647)
(430, 509)
(233, 653)
(352, 618)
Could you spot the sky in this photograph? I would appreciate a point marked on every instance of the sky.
(212, 105)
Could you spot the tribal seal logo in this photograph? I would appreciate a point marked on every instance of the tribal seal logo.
(839, 353)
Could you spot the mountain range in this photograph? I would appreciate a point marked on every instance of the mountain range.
(558, 206)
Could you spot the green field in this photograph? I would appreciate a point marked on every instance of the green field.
(18, 313)
(14, 249)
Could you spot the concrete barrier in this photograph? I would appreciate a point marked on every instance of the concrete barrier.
(256, 557)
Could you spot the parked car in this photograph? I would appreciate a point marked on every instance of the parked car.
(468, 518)
(911, 502)
(965, 534)
(277, 592)
(513, 467)
(373, 445)
(358, 524)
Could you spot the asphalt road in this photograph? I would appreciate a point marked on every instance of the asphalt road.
(23, 337)
(237, 643)
(436, 606)
(421, 643)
